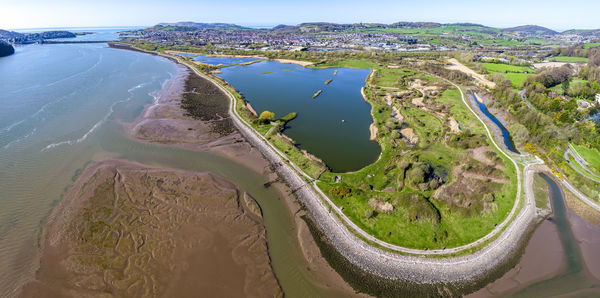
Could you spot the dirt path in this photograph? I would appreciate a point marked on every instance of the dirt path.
(480, 78)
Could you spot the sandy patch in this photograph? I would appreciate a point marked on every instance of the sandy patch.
(410, 136)
(576, 66)
(453, 124)
(373, 130)
(298, 62)
(480, 154)
(478, 77)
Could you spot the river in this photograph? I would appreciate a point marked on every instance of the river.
(63, 106)
(508, 142)
(569, 269)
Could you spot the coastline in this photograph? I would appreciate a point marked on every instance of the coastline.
(464, 271)
(284, 61)
(166, 110)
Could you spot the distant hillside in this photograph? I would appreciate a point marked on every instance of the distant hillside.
(17, 37)
(531, 30)
(201, 25)
(583, 32)
(316, 27)
(6, 49)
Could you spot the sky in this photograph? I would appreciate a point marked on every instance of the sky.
(554, 14)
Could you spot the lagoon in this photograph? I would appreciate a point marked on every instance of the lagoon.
(333, 126)
(218, 60)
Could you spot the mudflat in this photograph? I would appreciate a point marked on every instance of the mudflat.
(128, 230)
(190, 112)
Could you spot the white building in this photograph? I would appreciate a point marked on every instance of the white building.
(598, 98)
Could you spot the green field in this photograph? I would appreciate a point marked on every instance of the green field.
(568, 59)
(350, 63)
(591, 45)
(590, 155)
(516, 74)
(504, 68)
(540, 191)
(419, 218)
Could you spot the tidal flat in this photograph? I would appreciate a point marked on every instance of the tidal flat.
(129, 230)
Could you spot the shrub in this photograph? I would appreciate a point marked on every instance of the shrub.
(341, 191)
(266, 115)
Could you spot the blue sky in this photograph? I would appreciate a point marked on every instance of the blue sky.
(559, 15)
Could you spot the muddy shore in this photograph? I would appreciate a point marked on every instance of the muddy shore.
(165, 122)
(129, 230)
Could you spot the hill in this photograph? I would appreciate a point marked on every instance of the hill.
(531, 30)
(6, 49)
(198, 26)
(23, 38)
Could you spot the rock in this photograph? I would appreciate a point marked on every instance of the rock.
(385, 207)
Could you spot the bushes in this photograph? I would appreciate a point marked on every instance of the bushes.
(341, 191)
(266, 115)
(551, 77)
(466, 140)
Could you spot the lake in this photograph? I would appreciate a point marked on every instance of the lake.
(333, 126)
(211, 60)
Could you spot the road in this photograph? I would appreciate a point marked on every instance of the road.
(524, 99)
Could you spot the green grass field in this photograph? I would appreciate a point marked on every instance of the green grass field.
(516, 74)
(591, 45)
(590, 155)
(540, 191)
(500, 67)
(569, 59)
(350, 63)
(415, 221)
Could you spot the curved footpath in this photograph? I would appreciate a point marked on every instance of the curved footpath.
(387, 264)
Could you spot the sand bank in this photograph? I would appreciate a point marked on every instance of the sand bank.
(298, 62)
(129, 230)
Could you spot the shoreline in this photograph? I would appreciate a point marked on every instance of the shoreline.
(283, 61)
(258, 164)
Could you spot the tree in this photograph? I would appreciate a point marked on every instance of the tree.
(565, 86)
(267, 116)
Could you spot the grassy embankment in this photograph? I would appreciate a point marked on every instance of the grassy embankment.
(516, 74)
(592, 169)
(419, 218)
(569, 59)
(585, 185)
(591, 156)
(540, 191)
(591, 45)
